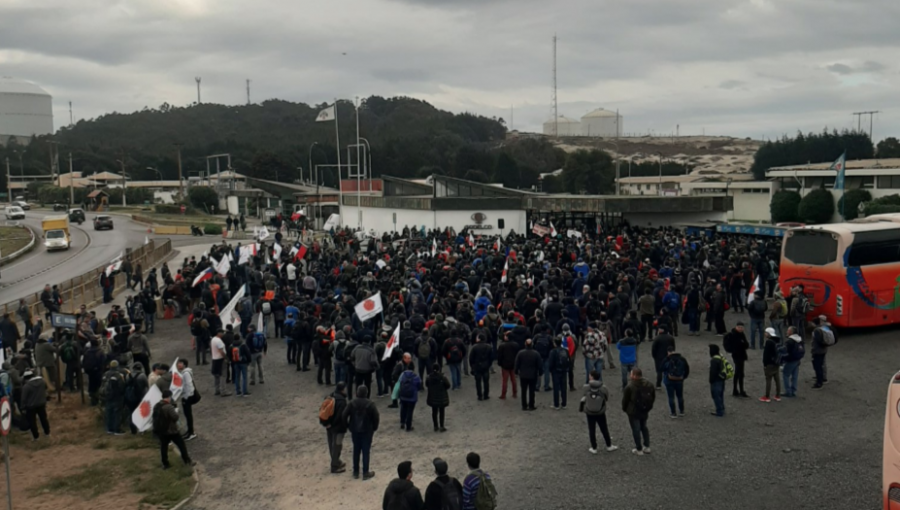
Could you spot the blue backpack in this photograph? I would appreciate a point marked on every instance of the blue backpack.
(259, 341)
(671, 300)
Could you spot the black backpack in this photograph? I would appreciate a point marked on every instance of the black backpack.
(451, 499)
(455, 354)
(340, 350)
(563, 359)
(644, 397)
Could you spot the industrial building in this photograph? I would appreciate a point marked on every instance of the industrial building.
(565, 125)
(601, 123)
(25, 110)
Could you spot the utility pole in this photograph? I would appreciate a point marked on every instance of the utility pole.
(555, 103)
(859, 115)
(180, 182)
(71, 183)
(124, 182)
(248, 91)
(198, 89)
(71, 119)
(8, 183)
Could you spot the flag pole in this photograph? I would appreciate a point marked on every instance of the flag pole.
(337, 137)
(358, 199)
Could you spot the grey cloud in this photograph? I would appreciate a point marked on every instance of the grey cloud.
(868, 66)
(840, 69)
(731, 84)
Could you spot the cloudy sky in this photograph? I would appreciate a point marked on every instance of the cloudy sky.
(758, 68)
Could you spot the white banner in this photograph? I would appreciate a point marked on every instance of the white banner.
(227, 314)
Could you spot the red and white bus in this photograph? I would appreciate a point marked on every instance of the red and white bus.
(849, 271)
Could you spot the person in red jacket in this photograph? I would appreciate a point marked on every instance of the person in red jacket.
(569, 343)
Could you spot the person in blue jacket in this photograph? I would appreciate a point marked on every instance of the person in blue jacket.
(627, 354)
(409, 385)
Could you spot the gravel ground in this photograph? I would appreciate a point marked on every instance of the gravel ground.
(820, 451)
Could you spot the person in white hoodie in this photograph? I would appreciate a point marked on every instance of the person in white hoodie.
(189, 397)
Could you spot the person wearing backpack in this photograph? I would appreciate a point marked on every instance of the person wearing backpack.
(425, 349)
(408, 386)
(140, 348)
(454, 351)
(718, 374)
(637, 402)
(543, 345)
(593, 405)
(444, 492)
(339, 350)
(362, 419)
(335, 427)
(675, 369)
(114, 396)
(365, 363)
(401, 494)
(240, 358)
(259, 347)
(659, 350)
(778, 314)
(479, 492)
(771, 366)
(560, 363)
(735, 343)
(70, 353)
(823, 337)
(757, 309)
(791, 371)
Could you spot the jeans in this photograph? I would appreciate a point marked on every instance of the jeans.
(340, 372)
(778, 326)
(362, 444)
(638, 429)
(757, 326)
(292, 348)
(113, 418)
(790, 374)
(646, 328)
(437, 416)
(717, 390)
(150, 323)
(593, 421)
(379, 378)
(406, 414)
(547, 374)
(335, 445)
(559, 387)
(626, 369)
(188, 409)
(256, 360)
(592, 364)
(424, 367)
(483, 383)
(240, 374)
(771, 372)
(455, 375)
(693, 321)
(528, 387)
(675, 389)
(818, 362)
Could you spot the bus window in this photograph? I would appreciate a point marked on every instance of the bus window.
(813, 247)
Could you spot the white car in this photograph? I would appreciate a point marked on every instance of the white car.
(14, 212)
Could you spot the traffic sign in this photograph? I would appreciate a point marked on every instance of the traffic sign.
(5, 416)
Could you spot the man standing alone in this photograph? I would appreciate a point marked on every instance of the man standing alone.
(637, 401)
(361, 417)
(529, 367)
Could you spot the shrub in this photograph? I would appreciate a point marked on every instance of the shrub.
(849, 203)
(873, 208)
(203, 198)
(211, 229)
(817, 206)
(784, 206)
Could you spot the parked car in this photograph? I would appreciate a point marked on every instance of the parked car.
(76, 215)
(103, 222)
(14, 212)
(60, 207)
(24, 205)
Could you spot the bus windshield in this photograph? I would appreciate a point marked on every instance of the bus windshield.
(813, 247)
(872, 248)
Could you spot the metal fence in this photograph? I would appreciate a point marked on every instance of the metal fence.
(85, 289)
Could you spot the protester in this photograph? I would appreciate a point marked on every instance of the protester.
(637, 402)
(794, 353)
(190, 396)
(336, 427)
(593, 405)
(771, 364)
(409, 384)
(718, 374)
(659, 350)
(676, 370)
(165, 427)
(34, 403)
(438, 398)
(444, 492)
(361, 417)
(401, 494)
(735, 343)
(529, 367)
(474, 497)
(823, 337)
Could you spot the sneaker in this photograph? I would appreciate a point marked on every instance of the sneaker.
(681, 415)
(191, 437)
(593, 450)
(765, 399)
(370, 474)
(563, 408)
(777, 399)
(612, 448)
(646, 449)
(443, 429)
(636, 451)
(115, 433)
(817, 387)
(341, 469)
(673, 416)
(554, 408)
(356, 475)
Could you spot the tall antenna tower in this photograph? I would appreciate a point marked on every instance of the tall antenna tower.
(198, 89)
(555, 104)
(71, 119)
(248, 91)
(859, 121)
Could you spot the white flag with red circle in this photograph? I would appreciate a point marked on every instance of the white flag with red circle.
(505, 271)
(392, 343)
(368, 308)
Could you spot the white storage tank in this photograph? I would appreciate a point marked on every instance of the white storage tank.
(601, 123)
(566, 126)
(25, 110)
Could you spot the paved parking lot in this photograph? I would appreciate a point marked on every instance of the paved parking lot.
(821, 450)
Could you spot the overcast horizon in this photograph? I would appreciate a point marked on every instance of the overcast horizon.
(752, 68)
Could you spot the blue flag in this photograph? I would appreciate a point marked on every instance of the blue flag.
(838, 166)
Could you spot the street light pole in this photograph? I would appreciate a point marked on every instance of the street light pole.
(659, 186)
(8, 183)
(124, 182)
(71, 184)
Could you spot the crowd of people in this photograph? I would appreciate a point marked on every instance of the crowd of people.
(524, 306)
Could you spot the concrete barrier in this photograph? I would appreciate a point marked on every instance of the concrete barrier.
(22, 251)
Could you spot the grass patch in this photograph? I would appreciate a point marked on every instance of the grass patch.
(13, 239)
(156, 486)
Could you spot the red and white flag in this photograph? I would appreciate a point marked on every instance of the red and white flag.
(471, 240)
(753, 289)
(433, 247)
(497, 244)
(368, 308)
(298, 253)
(142, 417)
(553, 231)
(392, 343)
(204, 275)
(505, 271)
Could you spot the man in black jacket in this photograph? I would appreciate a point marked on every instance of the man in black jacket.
(560, 362)
(361, 417)
(770, 365)
(481, 358)
(336, 427)
(660, 350)
(735, 343)
(401, 494)
(435, 493)
(529, 366)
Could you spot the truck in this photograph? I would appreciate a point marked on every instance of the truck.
(56, 232)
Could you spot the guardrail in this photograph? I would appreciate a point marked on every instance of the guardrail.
(85, 289)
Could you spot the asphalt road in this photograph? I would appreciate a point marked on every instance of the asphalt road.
(89, 250)
(821, 450)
